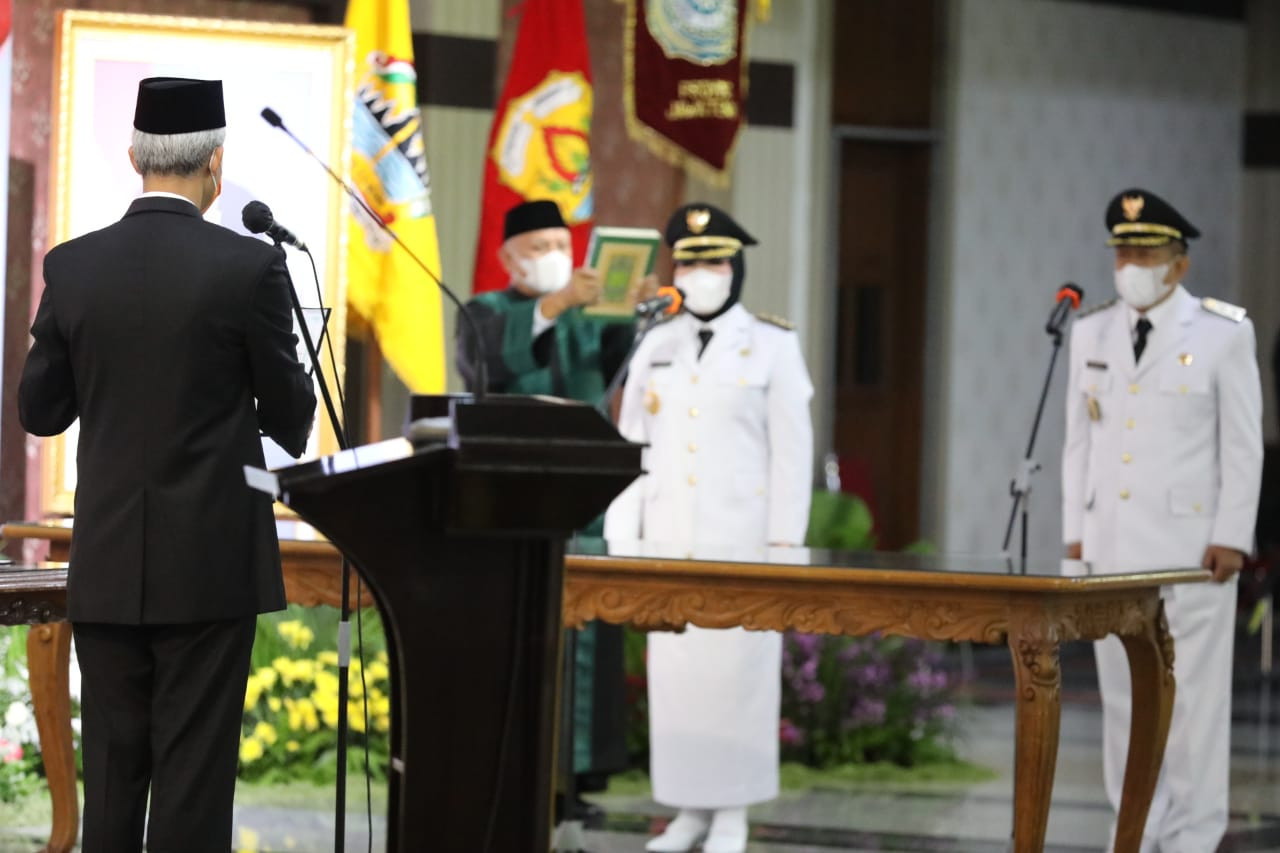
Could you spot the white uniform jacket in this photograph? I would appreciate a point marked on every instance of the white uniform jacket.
(729, 462)
(1162, 458)
(730, 457)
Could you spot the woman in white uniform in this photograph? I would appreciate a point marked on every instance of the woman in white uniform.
(722, 399)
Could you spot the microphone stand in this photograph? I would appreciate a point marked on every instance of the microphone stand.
(644, 325)
(344, 623)
(1020, 487)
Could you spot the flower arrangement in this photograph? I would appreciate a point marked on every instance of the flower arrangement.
(289, 731)
(864, 699)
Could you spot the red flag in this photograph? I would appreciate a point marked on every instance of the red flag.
(539, 146)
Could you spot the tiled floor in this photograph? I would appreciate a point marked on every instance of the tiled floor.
(965, 819)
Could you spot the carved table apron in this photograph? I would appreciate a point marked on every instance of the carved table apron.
(1032, 615)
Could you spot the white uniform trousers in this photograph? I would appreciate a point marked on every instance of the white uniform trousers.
(1189, 809)
(713, 714)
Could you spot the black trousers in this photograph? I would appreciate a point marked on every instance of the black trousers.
(161, 708)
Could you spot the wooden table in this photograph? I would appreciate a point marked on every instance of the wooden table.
(935, 598)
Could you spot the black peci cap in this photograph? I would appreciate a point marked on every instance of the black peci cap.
(169, 105)
(531, 216)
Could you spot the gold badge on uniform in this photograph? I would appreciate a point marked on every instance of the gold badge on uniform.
(745, 351)
(1185, 359)
(651, 402)
(1095, 409)
(1132, 205)
(697, 220)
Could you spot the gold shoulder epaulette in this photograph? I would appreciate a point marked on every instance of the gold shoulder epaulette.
(775, 320)
(1096, 308)
(1234, 313)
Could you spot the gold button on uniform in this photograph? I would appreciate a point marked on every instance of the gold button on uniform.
(1124, 494)
(694, 379)
(1126, 458)
(693, 481)
(693, 413)
(693, 448)
(1133, 389)
(1197, 507)
(1130, 424)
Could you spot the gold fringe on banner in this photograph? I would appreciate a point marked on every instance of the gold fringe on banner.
(659, 145)
(764, 11)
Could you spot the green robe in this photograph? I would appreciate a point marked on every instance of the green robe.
(574, 359)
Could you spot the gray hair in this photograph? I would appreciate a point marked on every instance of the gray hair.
(175, 153)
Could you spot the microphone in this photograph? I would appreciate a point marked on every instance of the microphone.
(272, 118)
(257, 217)
(667, 302)
(1067, 300)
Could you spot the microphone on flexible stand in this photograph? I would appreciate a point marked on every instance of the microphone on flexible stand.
(649, 314)
(482, 367)
(666, 304)
(1067, 300)
(257, 217)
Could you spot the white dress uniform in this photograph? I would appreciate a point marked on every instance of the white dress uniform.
(729, 462)
(1162, 459)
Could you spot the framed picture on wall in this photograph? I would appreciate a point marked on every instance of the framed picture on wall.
(304, 73)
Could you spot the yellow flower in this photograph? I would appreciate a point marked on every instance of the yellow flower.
(326, 684)
(273, 702)
(327, 704)
(381, 723)
(267, 676)
(250, 750)
(329, 658)
(355, 716)
(289, 629)
(382, 656)
(378, 671)
(307, 713)
(265, 732)
(252, 692)
(293, 746)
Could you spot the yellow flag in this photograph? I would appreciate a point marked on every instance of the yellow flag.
(389, 167)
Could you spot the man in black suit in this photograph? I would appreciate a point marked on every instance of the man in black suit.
(171, 339)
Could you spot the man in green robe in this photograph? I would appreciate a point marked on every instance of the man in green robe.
(538, 340)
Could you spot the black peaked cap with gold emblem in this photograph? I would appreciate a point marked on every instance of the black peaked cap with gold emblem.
(1136, 217)
(699, 232)
(169, 105)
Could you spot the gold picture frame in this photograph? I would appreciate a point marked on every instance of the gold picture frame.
(304, 72)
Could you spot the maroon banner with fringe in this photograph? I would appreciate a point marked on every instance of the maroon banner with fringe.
(686, 80)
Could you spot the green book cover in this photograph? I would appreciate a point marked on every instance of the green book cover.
(622, 256)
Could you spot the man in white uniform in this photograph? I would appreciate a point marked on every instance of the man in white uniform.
(722, 399)
(1161, 468)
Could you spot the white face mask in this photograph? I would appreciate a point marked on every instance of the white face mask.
(705, 292)
(1142, 287)
(546, 273)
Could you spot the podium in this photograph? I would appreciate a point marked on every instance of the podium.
(459, 532)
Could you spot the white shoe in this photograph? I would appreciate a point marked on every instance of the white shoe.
(728, 832)
(682, 834)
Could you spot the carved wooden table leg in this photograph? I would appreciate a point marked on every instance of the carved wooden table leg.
(48, 656)
(1034, 645)
(1151, 677)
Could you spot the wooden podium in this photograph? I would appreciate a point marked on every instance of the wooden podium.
(459, 531)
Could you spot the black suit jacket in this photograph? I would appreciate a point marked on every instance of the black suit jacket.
(159, 332)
